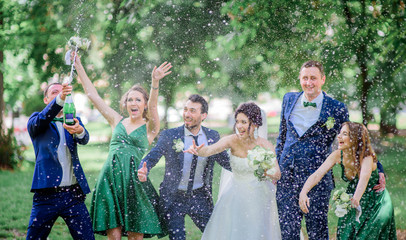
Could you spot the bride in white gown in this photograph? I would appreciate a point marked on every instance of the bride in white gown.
(246, 208)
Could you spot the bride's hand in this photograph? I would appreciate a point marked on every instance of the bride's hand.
(304, 202)
(193, 149)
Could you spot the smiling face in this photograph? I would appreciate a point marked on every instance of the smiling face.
(52, 92)
(311, 81)
(193, 116)
(242, 125)
(344, 140)
(135, 104)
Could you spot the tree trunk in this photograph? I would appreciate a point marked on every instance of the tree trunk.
(168, 102)
(2, 105)
(365, 87)
(388, 119)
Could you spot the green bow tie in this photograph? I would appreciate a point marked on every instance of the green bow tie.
(58, 119)
(309, 104)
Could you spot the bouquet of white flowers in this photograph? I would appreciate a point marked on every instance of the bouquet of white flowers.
(262, 161)
(82, 44)
(342, 202)
(76, 44)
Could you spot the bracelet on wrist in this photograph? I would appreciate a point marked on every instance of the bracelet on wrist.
(155, 88)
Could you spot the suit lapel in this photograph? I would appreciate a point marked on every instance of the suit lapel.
(290, 109)
(292, 106)
(181, 135)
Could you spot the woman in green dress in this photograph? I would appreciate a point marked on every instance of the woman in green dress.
(121, 204)
(358, 161)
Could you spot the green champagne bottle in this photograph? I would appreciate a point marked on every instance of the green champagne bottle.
(69, 111)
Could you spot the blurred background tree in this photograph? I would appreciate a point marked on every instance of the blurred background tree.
(234, 49)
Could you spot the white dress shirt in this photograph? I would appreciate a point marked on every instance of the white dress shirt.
(64, 156)
(304, 117)
(187, 162)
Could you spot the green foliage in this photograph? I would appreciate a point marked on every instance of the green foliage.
(360, 43)
(10, 152)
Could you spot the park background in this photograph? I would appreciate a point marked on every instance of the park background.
(228, 51)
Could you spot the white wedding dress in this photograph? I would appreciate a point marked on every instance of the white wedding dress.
(246, 208)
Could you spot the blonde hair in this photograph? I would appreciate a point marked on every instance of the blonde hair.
(124, 99)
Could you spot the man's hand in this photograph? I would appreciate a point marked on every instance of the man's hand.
(382, 183)
(66, 89)
(142, 173)
(74, 129)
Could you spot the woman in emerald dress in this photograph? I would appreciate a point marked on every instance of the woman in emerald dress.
(121, 204)
(358, 162)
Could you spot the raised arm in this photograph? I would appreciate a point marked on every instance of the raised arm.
(315, 178)
(206, 151)
(108, 113)
(365, 174)
(153, 123)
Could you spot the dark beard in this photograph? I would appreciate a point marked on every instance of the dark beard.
(190, 128)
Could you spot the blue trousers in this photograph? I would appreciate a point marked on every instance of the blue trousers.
(70, 205)
(198, 206)
(290, 214)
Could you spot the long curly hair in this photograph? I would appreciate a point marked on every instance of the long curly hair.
(360, 143)
(124, 99)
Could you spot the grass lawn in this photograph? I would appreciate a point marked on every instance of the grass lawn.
(16, 199)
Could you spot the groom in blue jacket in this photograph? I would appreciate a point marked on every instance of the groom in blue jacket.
(59, 183)
(187, 184)
(310, 121)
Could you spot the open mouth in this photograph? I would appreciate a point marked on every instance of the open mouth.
(134, 110)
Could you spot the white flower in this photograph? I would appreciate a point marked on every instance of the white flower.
(178, 145)
(330, 123)
(82, 44)
(340, 210)
(262, 161)
(345, 197)
(342, 202)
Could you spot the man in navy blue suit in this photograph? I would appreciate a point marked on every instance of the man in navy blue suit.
(187, 184)
(304, 142)
(59, 183)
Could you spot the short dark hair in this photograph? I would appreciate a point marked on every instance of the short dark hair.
(199, 99)
(312, 63)
(50, 85)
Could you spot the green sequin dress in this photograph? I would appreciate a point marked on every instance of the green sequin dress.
(377, 220)
(120, 199)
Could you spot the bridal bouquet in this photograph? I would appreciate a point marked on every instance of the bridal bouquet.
(342, 202)
(82, 44)
(76, 44)
(262, 161)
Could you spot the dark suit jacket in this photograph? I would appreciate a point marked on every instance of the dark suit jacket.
(306, 153)
(45, 138)
(174, 162)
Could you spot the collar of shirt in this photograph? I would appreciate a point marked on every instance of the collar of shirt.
(318, 100)
(188, 133)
